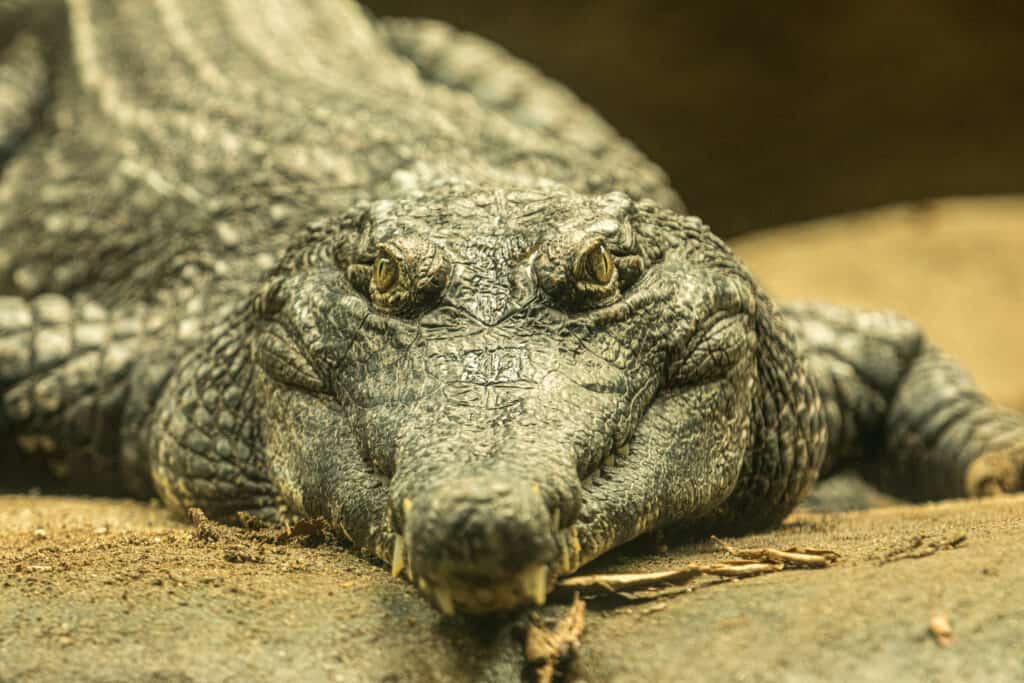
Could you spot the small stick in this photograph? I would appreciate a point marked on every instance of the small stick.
(795, 557)
(749, 562)
(546, 649)
(597, 584)
(742, 569)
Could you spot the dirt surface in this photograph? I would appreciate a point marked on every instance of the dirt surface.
(96, 590)
(99, 590)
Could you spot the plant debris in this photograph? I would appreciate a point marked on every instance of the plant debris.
(551, 650)
(597, 584)
(205, 530)
(239, 555)
(809, 558)
(922, 546)
(308, 532)
(748, 562)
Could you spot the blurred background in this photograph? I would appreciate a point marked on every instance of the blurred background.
(769, 113)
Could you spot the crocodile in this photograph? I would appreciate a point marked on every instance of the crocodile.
(303, 262)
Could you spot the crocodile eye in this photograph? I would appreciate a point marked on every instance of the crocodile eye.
(579, 272)
(407, 276)
(597, 265)
(385, 273)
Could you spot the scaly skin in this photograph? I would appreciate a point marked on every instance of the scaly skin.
(298, 261)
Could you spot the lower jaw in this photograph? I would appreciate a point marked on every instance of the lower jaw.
(529, 587)
(453, 594)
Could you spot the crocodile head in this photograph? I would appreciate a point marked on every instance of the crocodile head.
(489, 387)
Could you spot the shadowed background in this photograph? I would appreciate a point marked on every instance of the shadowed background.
(768, 114)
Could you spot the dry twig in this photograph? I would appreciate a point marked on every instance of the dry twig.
(597, 584)
(752, 562)
(547, 649)
(810, 558)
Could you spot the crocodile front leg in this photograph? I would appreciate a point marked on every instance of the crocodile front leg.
(909, 415)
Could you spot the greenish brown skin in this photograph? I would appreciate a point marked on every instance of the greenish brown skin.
(304, 262)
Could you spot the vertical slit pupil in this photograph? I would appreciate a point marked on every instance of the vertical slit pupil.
(385, 273)
(601, 265)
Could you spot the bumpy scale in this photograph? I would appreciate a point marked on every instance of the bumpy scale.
(301, 261)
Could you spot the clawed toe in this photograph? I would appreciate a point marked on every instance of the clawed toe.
(995, 473)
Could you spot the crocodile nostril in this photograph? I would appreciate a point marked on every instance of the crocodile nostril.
(478, 527)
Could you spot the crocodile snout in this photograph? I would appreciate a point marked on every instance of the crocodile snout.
(480, 542)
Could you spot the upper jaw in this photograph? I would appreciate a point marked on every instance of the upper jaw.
(454, 592)
(488, 584)
(507, 572)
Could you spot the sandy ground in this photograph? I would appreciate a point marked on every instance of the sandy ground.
(115, 591)
(98, 590)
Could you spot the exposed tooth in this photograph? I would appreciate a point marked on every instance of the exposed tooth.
(533, 581)
(566, 561)
(423, 585)
(407, 505)
(556, 519)
(443, 598)
(611, 458)
(398, 558)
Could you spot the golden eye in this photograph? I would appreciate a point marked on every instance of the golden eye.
(385, 273)
(599, 265)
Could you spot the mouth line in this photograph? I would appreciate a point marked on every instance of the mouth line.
(529, 586)
(452, 593)
(598, 473)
